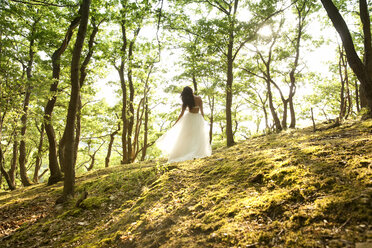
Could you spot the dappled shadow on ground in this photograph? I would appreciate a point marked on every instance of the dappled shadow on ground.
(293, 189)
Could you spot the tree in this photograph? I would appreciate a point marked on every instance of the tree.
(363, 70)
(69, 180)
(54, 167)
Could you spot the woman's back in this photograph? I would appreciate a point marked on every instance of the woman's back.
(198, 105)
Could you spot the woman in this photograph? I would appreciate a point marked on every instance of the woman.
(188, 138)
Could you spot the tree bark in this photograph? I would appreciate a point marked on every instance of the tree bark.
(124, 93)
(4, 173)
(131, 99)
(357, 96)
(22, 146)
(341, 114)
(229, 82)
(146, 130)
(362, 71)
(35, 179)
(69, 180)
(278, 126)
(13, 162)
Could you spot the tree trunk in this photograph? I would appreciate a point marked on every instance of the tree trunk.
(278, 126)
(54, 167)
(109, 149)
(146, 130)
(131, 99)
(194, 83)
(362, 71)
(13, 162)
(93, 157)
(285, 113)
(69, 180)
(363, 98)
(124, 92)
(229, 82)
(77, 129)
(83, 74)
(4, 173)
(292, 109)
(342, 91)
(22, 145)
(39, 155)
(357, 96)
(211, 120)
(348, 97)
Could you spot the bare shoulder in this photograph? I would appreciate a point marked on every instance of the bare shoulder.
(197, 99)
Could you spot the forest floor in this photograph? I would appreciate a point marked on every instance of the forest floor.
(298, 188)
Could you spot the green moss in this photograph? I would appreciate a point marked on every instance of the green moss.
(93, 202)
(72, 212)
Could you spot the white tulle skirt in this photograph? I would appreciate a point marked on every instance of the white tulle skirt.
(187, 139)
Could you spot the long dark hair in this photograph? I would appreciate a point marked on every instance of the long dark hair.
(187, 98)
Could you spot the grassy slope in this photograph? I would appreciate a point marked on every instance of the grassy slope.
(294, 189)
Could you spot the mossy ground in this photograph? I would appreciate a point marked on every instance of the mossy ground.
(294, 189)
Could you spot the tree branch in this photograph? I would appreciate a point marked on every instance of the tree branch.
(41, 3)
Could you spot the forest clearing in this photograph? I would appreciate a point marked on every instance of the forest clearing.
(294, 189)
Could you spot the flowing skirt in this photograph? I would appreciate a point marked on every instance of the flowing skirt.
(187, 139)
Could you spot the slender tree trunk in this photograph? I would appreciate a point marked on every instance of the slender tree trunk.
(54, 167)
(194, 83)
(13, 162)
(211, 120)
(342, 94)
(278, 126)
(146, 108)
(312, 119)
(77, 129)
(39, 155)
(22, 146)
(93, 157)
(69, 180)
(124, 94)
(131, 99)
(109, 149)
(229, 82)
(83, 74)
(146, 130)
(285, 113)
(348, 98)
(291, 108)
(4, 173)
(357, 96)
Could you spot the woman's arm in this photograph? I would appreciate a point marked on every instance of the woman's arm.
(179, 117)
(201, 107)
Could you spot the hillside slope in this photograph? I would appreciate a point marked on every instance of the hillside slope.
(293, 189)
